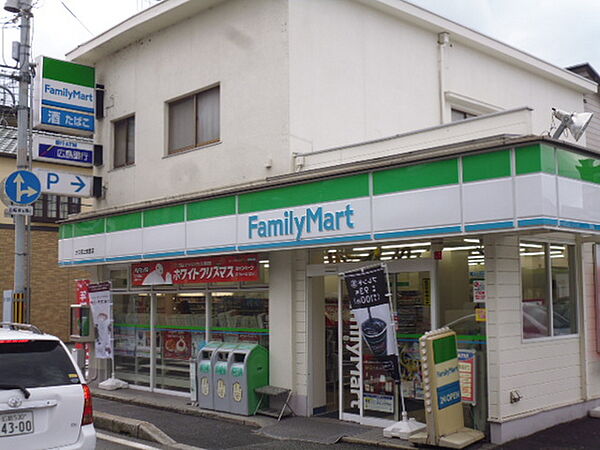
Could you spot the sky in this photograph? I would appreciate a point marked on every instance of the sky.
(561, 32)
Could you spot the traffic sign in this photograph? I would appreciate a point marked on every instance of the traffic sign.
(22, 187)
(14, 210)
(65, 183)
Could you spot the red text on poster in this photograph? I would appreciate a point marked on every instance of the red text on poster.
(196, 270)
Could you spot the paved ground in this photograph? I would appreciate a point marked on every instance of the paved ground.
(207, 433)
(581, 434)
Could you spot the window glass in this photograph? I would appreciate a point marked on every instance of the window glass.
(563, 298)
(51, 208)
(36, 364)
(124, 144)
(534, 282)
(240, 317)
(181, 125)
(207, 127)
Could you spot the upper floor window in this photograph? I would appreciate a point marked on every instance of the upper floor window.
(194, 120)
(52, 208)
(124, 144)
(457, 115)
(548, 289)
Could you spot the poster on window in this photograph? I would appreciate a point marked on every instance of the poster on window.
(196, 270)
(101, 306)
(177, 344)
(370, 304)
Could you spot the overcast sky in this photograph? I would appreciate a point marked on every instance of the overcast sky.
(563, 32)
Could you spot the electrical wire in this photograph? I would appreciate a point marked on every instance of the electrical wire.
(77, 18)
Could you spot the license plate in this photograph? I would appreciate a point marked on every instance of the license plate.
(16, 423)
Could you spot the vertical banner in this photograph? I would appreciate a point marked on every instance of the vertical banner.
(101, 306)
(370, 303)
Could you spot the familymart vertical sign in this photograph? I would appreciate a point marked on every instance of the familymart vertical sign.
(64, 97)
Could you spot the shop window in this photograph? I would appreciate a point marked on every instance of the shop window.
(194, 121)
(52, 208)
(548, 290)
(240, 317)
(124, 145)
(119, 278)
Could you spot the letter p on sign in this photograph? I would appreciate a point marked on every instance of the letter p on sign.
(51, 178)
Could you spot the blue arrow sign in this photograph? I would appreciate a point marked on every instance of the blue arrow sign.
(22, 187)
(79, 184)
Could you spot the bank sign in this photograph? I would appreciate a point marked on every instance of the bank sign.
(64, 97)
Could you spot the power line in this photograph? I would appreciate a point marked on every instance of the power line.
(77, 18)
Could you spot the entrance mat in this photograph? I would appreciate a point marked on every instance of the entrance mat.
(312, 429)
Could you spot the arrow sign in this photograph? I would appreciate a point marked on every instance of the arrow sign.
(22, 187)
(65, 183)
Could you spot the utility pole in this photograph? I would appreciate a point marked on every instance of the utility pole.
(23, 7)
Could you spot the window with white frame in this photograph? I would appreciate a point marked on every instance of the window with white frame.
(194, 121)
(549, 301)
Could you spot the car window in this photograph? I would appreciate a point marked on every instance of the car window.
(35, 364)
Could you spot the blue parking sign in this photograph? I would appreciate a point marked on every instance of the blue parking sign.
(22, 187)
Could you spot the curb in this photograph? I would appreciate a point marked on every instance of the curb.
(138, 429)
(190, 411)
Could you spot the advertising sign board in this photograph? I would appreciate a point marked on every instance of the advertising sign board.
(64, 97)
(101, 305)
(370, 304)
(63, 151)
(65, 183)
(466, 371)
(196, 270)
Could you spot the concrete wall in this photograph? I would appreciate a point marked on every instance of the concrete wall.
(368, 74)
(547, 373)
(240, 45)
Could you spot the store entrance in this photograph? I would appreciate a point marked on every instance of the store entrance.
(352, 384)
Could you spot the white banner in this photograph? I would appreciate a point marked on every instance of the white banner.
(101, 305)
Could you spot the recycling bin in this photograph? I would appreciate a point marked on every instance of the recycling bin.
(221, 382)
(248, 370)
(205, 388)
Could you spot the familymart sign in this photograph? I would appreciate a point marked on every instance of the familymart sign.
(64, 97)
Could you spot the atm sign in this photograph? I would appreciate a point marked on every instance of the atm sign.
(448, 394)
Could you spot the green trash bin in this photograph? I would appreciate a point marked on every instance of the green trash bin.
(221, 382)
(248, 370)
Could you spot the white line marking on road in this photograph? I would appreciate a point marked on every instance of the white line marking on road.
(116, 440)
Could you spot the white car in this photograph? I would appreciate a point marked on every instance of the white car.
(44, 400)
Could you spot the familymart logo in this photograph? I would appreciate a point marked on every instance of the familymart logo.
(289, 224)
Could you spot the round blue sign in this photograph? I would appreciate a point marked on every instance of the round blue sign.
(22, 187)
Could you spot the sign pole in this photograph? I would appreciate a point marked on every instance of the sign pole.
(21, 251)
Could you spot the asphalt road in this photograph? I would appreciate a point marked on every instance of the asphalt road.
(111, 441)
(207, 433)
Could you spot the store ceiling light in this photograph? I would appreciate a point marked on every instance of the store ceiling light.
(362, 249)
(525, 244)
(333, 250)
(264, 261)
(386, 258)
(222, 294)
(416, 244)
(464, 247)
(576, 123)
(387, 253)
(360, 255)
(475, 241)
(532, 253)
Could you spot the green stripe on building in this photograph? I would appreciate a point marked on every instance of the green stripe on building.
(534, 159)
(164, 216)
(66, 231)
(207, 209)
(419, 176)
(444, 349)
(486, 166)
(578, 167)
(304, 194)
(68, 72)
(124, 222)
(88, 227)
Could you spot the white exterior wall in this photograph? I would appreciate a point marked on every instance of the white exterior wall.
(240, 45)
(358, 74)
(547, 373)
(474, 74)
(589, 324)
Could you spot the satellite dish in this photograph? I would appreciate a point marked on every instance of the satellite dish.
(576, 123)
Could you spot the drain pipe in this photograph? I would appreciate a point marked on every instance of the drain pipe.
(443, 42)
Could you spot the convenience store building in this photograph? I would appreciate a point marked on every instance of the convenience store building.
(482, 223)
